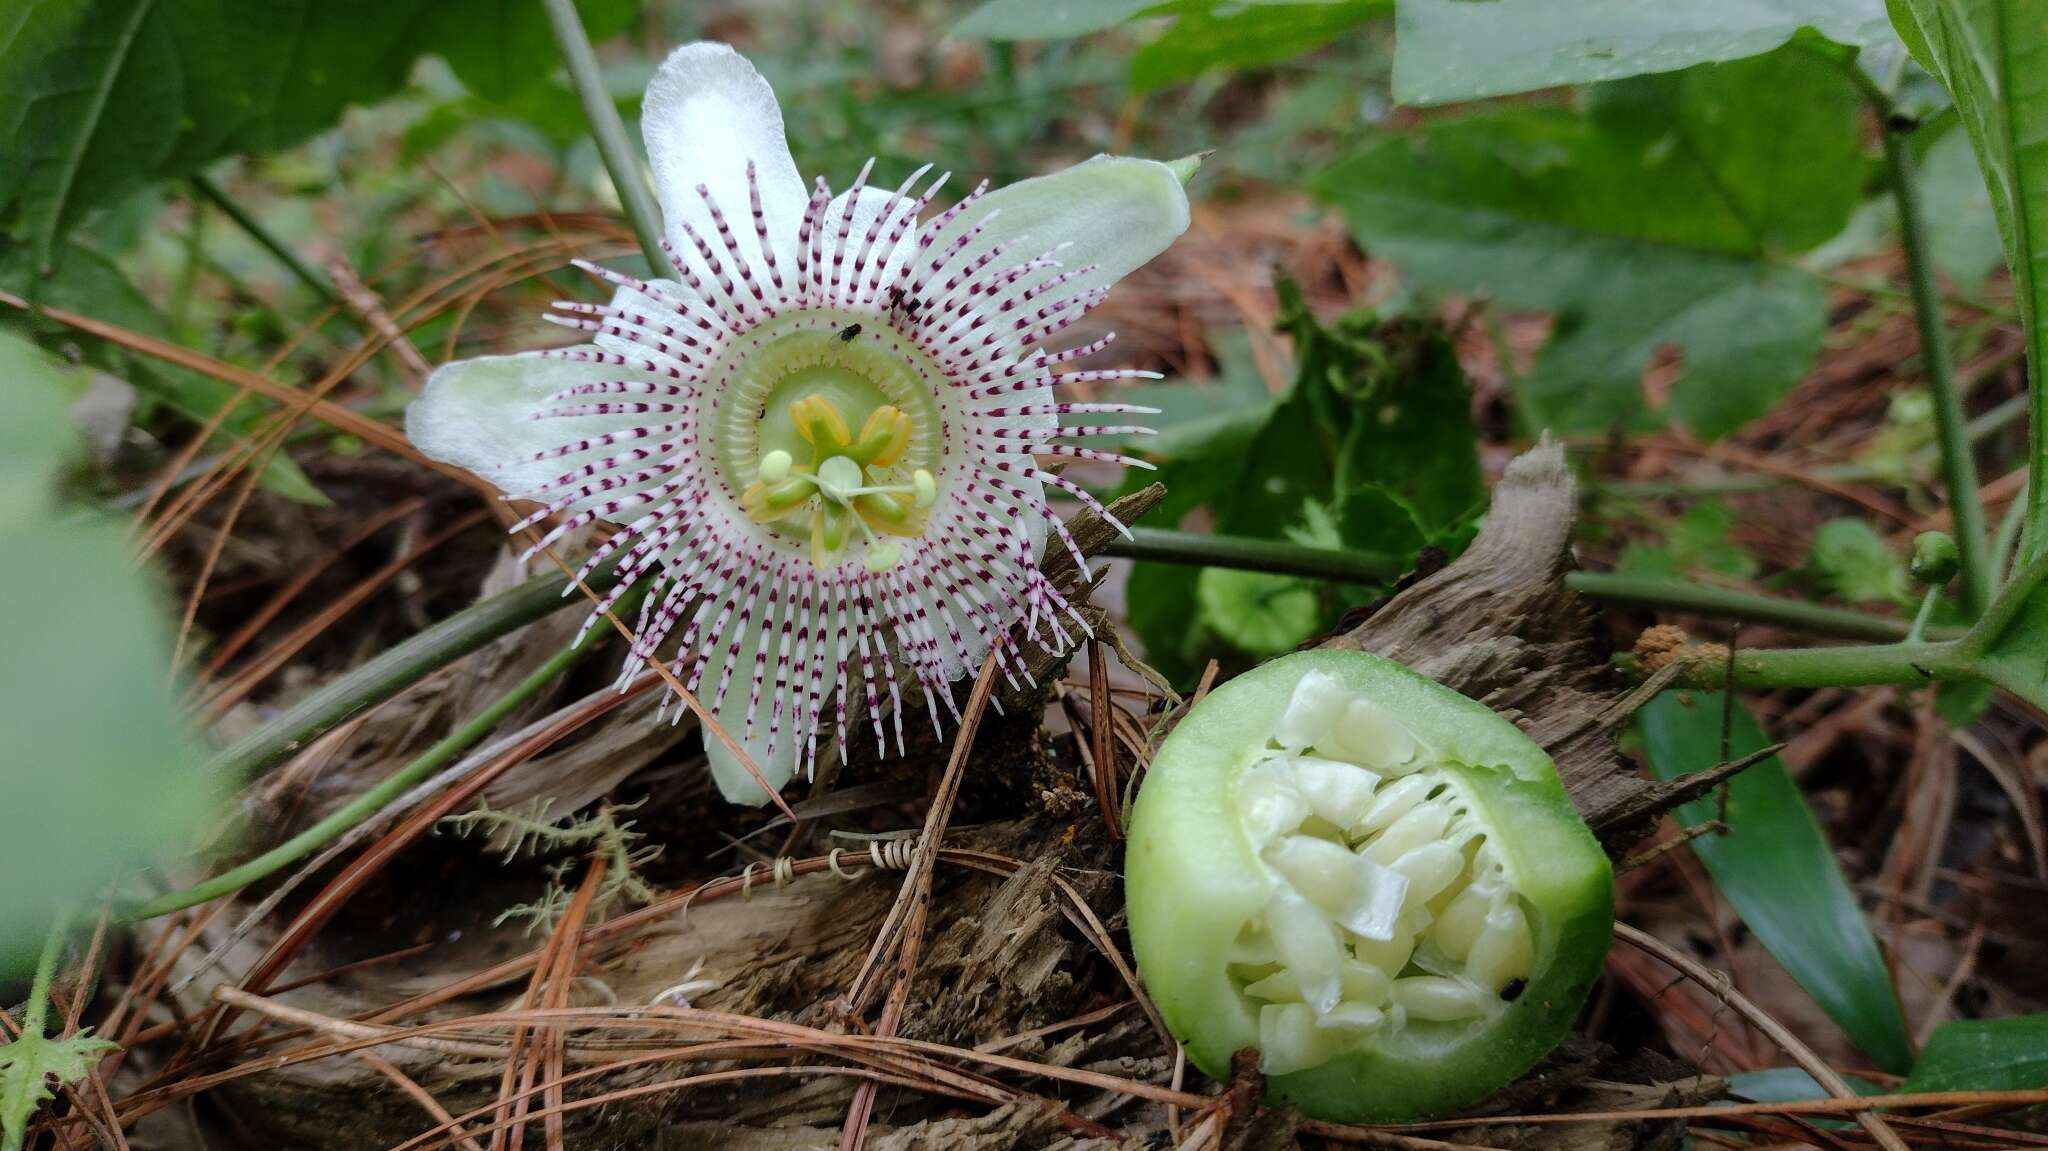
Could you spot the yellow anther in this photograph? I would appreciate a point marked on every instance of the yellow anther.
(818, 421)
(924, 488)
(882, 438)
(775, 466)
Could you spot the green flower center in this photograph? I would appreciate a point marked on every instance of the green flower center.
(830, 434)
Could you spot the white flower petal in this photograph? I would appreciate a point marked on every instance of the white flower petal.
(708, 113)
(777, 763)
(477, 414)
(1113, 212)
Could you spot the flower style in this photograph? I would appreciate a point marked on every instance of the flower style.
(821, 440)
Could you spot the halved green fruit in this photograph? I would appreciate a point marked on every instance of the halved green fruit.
(1373, 880)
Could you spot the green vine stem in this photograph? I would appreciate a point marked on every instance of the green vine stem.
(213, 194)
(1283, 558)
(372, 801)
(37, 1016)
(620, 160)
(1958, 461)
(397, 668)
(1275, 556)
(1815, 667)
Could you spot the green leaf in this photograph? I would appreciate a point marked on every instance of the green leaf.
(1853, 561)
(101, 773)
(1656, 219)
(1238, 37)
(1789, 1085)
(1697, 542)
(1962, 231)
(1778, 872)
(1045, 19)
(2008, 1054)
(37, 436)
(142, 90)
(1992, 56)
(1450, 50)
(1262, 613)
(27, 1063)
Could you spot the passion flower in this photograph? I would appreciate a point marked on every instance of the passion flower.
(1376, 882)
(822, 439)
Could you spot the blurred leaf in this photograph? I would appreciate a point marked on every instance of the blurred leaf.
(1697, 542)
(1045, 19)
(1789, 1085)
(1777, 870)
(101, 773)
(36, 437)
(1262, 613)
(1461, 50)
(89, 283)
(146, 89)
(1654, 220)
(2009, 1054)
(1233, 36)
(31, 1059)
(1853, 561)
(1992, 56)
(1962, 231)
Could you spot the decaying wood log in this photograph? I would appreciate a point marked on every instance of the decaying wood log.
(1003, 966)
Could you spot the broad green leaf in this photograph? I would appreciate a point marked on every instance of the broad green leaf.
(2008, 1054)
(29, 1062)
(36, 437)
(1789, 1085)
(1449, 50)
(1659, 218)
(1235, 36)
(1992, 56)
(1962, 231)
(101, 773)
(141, 90)
(1853, 561)
(1777, 870)
(1045, 19)
(1696, 542)
(1262, 613)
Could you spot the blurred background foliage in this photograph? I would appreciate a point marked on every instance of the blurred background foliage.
(1609, 220)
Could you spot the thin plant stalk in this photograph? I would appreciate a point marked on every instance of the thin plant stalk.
(620, 160)
(1958, 461)
(214, 194)
(372, 801)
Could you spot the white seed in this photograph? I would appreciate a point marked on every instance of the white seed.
(1365, 734)
(1337, 792)
(1351, 1020)
(1308, 944)
(1461, 922)
(1394, 800)
(1363, 896)
(1503, 951)
(1268, 804)
(1424, 823)
(1388, 955)
(1363, 983)
(1312, 710)
(1442, 1000)
(1253, 948)
(1279, 987)
(1430, 869)
(1288, 1039)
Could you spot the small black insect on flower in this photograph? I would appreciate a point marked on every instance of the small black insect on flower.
(847, 333)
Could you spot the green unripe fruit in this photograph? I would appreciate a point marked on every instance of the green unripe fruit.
(1935, 559)
(1376, 882)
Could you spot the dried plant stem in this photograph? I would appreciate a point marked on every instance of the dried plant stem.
(372, 801)
(1775, 1031)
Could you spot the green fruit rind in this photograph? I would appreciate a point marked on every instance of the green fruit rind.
(1192, 880)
